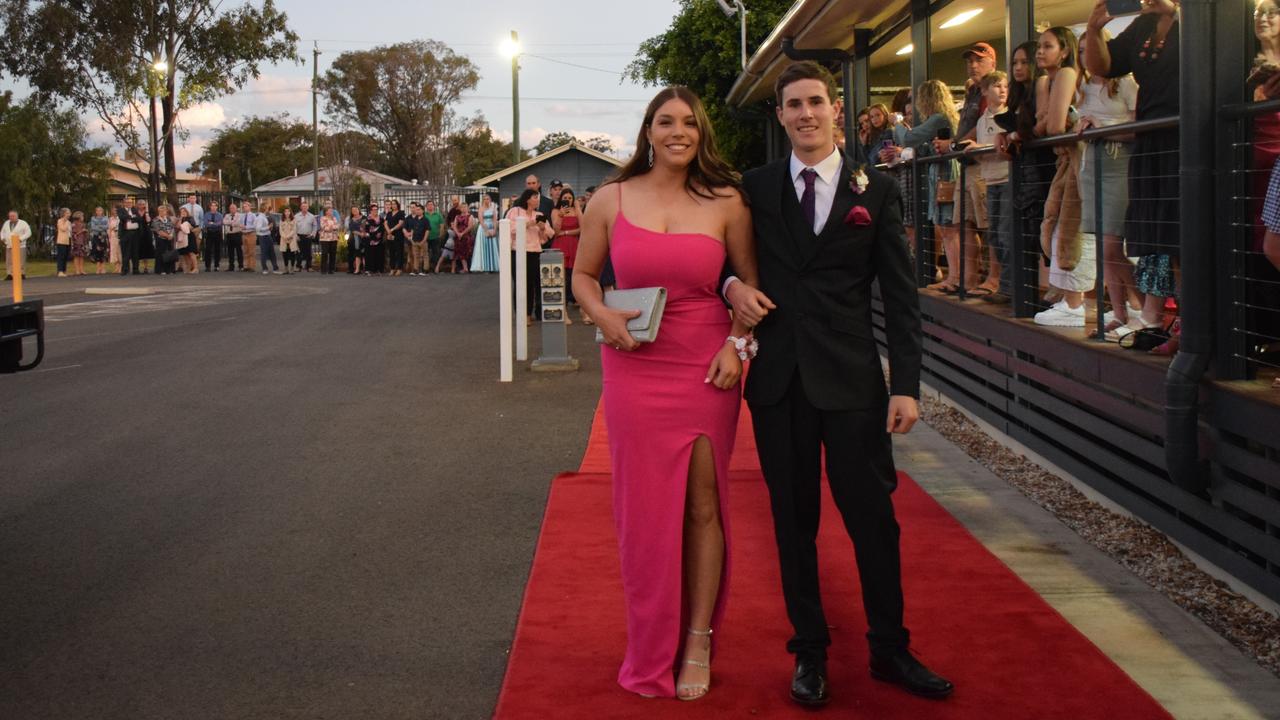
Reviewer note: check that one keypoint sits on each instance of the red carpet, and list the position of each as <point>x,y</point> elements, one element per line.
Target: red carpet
<point>1009,653</point>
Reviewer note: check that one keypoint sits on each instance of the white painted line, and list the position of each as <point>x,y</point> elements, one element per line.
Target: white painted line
<point>119,291</point>
<point>63,367</point>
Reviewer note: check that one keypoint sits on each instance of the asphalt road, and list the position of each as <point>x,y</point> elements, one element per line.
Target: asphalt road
<point>273,497</point>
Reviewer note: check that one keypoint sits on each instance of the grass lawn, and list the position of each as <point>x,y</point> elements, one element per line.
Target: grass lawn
<point>47,267</point>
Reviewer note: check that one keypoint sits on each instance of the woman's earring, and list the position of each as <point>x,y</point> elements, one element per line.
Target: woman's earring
<point>650,156</point>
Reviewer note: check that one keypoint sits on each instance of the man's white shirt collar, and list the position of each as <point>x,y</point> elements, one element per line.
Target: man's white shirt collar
<point>828,169</point>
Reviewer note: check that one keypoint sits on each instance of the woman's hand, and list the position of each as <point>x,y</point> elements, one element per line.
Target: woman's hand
<point>613,325</point>
<point>1099,17</point>
<point>725,368</point>
<point>890,154</point>
<point>1085,123</point>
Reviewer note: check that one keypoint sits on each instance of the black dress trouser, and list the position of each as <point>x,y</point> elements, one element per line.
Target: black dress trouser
<point>790,437</point>
<point>304,251</point>
<point>212,249</point>
<point>128,253</point>
<point>235,250</point>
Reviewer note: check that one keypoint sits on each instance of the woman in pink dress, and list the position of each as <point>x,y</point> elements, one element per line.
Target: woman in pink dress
<point>669,219</point>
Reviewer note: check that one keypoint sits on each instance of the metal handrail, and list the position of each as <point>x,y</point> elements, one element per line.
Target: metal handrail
<point>1248,109</point>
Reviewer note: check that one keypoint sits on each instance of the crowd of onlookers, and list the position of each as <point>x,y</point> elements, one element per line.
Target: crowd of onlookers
<point>380,239</point>
<point>1053,86</point>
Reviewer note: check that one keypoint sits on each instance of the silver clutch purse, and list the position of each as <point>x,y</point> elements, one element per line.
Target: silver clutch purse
<point>649,301</point>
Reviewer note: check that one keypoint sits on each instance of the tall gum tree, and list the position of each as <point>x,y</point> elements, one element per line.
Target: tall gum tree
<point>102,56</point>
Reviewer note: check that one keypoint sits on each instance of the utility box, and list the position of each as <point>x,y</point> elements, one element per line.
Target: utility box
<point>554,294</point>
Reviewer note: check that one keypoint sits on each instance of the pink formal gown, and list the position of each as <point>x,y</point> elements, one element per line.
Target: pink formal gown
<point>656,405</point>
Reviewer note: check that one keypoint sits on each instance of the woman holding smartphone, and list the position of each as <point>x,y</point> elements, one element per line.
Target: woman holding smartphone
<point>1148,48</point>
<point>566,220</point>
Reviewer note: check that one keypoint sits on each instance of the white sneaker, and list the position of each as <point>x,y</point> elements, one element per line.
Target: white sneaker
<point>1061,315</point>
<point>264,272</point>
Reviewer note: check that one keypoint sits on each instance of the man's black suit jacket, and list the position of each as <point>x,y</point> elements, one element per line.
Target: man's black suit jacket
<point>822,288</point>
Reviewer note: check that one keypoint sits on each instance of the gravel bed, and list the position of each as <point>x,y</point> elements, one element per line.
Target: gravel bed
<point>1142,549</point>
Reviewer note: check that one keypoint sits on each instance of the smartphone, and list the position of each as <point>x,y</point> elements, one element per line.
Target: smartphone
<point>1116,8</point>
<point>944,133</point>
<point>886,143</point>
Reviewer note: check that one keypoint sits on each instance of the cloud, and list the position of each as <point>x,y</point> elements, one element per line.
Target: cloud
<point>203,116</point>
<point>621,109</point>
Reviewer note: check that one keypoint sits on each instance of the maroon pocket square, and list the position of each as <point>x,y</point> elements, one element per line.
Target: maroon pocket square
<point>858,216</point>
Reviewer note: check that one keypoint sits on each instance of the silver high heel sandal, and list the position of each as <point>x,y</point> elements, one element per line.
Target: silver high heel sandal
<point>701,688</point>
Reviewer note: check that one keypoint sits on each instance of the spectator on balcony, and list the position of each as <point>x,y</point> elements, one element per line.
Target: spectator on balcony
<point>1263,85</point>
<point>933,100</point>
<point>979,61</point>
<point>902,112</point>
<point>1035,166</point>
<point>1071,262</point>
<point>1102,102</point>
<point>880,131</point>
<point>1148,48</point>
<point>994,170</point>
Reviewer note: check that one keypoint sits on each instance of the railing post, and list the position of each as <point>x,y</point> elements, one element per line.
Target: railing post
<point>917,219</point>
<point>1099,243</point>
<point>960,225</point>
<point>1022,294</point>
<point>522,297</point>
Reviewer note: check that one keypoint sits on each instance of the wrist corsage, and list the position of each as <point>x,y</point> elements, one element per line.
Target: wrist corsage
<point>746,347</point>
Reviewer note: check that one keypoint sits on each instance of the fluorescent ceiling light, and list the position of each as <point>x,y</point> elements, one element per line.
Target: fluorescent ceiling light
<point>906,50</point>
<point>960,19</point>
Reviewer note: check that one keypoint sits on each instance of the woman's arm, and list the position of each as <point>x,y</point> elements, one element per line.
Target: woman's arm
<point>1062,91</point>
<point>592,252</point>
<point>1097,54</point>
<point>557,219</point>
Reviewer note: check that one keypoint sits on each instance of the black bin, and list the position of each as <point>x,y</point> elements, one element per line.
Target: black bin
<point>18,321</point>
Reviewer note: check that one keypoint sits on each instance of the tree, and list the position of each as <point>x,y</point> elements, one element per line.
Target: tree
<point>403,95</point>
<point>256,150</point>
<point>44,161</point>
<point>103,56</point>
<point>340,156</point>
<point>702,51</point>
<point>478,152</point>
<point>553,140</point>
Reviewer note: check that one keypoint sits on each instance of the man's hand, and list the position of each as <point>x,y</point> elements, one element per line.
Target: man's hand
<point>1098,17</point>
<point>748,303</point>
<point>903,413</point>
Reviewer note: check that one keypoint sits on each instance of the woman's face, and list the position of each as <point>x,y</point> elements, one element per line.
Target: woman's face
<point>674,133</point>
<point>1020,66</point>
<point>864,122</point>
<point>1266,20</point>
<point>532,203</point>
<point>877,118</point>
<point>1049,52</point>
<point>567,198</point>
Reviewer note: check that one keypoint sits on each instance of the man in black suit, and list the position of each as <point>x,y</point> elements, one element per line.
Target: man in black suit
<point>132,224</point>
<point>825,229</point>
<point>545,204</point>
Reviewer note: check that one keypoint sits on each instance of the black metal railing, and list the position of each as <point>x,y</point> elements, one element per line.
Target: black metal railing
<point>1024,246</point>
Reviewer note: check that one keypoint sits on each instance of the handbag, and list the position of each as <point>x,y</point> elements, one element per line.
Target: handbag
<point>945,191</point>
<point>649,301</point>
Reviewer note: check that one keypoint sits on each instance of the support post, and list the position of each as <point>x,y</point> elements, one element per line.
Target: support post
<point>522,297</point>
<point>15,266</point>
<point>505,363</point>
<point>1099,239</point>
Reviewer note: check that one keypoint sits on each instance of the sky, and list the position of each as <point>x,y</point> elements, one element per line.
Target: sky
<point>569,81</point>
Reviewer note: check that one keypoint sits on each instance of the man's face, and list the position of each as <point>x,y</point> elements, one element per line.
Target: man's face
<point>128,203</point>
<point>807,115</point>
<point>555,192</point>
<point>191,199</point>
<point>431,207</point>
<point>305,205</point>
<point>978,66</point>
<point>533,183</point>
<point>13,216</point>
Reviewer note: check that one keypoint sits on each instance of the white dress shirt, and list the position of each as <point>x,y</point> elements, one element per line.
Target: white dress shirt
<point>824,186</point>
<point>20,228</point>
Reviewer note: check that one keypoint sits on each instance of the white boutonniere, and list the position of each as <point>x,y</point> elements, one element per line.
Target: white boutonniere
<point>858,184</point>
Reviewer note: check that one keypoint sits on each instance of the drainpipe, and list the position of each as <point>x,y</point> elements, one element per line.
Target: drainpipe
<point>1196,146</point>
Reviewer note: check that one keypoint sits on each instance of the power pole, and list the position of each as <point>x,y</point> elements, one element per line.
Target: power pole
<point>315,124</point>
<point>515,96</point>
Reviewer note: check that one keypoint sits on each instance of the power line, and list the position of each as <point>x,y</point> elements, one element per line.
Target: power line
<point>575,65</point>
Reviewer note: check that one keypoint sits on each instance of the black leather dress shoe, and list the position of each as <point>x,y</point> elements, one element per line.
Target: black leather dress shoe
<point>809,683</point>
<point>903,669</point>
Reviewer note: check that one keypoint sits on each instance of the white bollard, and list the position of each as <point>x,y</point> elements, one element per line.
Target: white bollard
<point>505,362</point>
<point>522,299</point>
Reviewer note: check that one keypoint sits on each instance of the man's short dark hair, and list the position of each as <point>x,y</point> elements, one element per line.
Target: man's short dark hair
<point>805,70</point>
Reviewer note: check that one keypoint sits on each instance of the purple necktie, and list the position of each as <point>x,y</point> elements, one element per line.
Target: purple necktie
<point>809,196</point>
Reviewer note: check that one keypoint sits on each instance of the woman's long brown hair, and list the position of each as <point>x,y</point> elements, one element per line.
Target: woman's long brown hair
<point>707,173</point>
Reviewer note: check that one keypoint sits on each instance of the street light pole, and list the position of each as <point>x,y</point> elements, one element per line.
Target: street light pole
<point>515,95</point>
<point>315,126</point>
